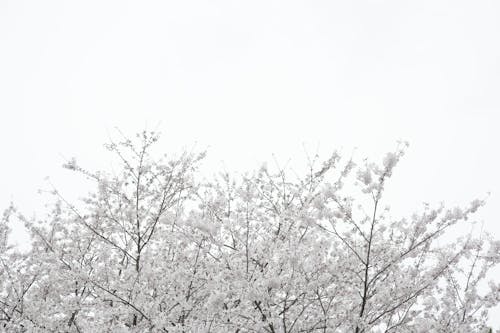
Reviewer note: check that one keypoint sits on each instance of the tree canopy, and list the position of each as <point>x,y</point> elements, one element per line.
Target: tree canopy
<point>157,249</point>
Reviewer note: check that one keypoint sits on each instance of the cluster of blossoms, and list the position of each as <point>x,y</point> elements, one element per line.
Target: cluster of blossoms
<point>156,250</point>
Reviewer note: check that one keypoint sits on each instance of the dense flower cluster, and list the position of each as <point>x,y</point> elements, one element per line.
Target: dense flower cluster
<point>156,250</point>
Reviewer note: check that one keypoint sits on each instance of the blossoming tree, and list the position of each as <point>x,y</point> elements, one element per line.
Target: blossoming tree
<point>154,249</point>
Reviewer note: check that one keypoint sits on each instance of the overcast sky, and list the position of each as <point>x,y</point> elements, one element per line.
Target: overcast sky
<point>250,78</point>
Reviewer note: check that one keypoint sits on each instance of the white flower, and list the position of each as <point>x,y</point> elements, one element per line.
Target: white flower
<point>216,299</point>
<point>273,283</point>
<point>208,228</point>
<point>365,177</point>
<point>390,161</point>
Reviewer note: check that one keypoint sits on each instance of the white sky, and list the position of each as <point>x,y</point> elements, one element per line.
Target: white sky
<point>253,78</point>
